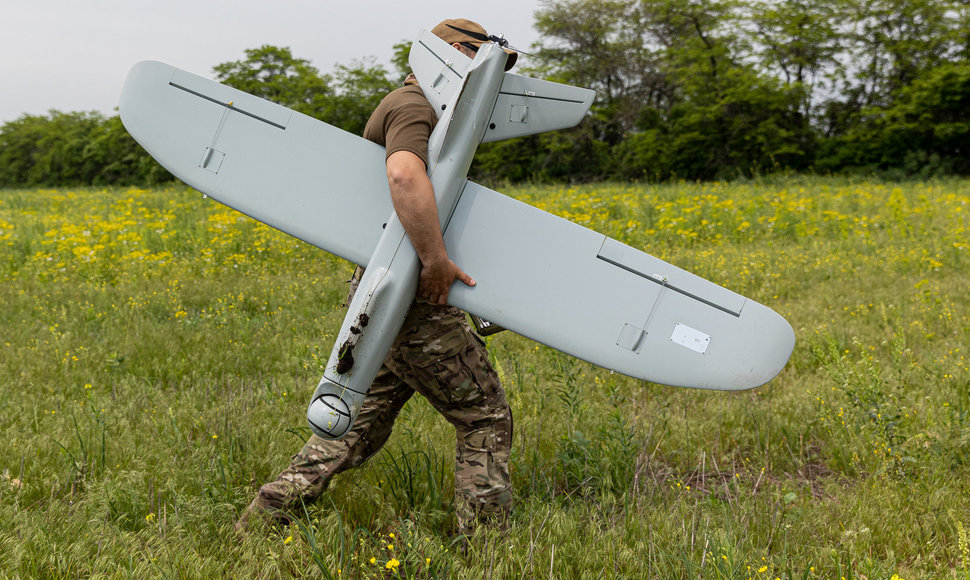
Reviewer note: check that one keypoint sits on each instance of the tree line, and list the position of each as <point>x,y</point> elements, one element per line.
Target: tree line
<point>88,148</point>
<point>705,89</point>
<point>686,89</point>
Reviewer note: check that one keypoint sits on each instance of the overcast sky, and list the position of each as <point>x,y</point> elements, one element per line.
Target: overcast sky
<point>72,55</point>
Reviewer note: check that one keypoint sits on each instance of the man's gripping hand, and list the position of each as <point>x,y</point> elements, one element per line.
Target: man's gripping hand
<point>436,280</point>
<point>414,202</point>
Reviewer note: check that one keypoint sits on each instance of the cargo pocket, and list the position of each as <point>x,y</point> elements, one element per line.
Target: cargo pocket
<point>443,369</point>
<point>481,440</point>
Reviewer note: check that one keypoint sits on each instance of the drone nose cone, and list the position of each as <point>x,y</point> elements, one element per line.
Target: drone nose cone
<point>329,416</point>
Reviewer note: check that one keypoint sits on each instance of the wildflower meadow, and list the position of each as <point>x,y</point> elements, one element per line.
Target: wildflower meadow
<point>158,351</point>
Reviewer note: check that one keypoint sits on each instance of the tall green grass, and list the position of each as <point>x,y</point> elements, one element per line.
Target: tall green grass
<point>158,351</point>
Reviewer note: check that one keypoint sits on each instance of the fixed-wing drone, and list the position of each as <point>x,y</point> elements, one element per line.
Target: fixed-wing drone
<point>537,274</point>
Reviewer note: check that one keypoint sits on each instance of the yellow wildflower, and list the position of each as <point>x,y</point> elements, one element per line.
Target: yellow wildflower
<point>392,564</point>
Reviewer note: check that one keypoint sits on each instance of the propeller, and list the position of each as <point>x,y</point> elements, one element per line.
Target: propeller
<point>499,40</point>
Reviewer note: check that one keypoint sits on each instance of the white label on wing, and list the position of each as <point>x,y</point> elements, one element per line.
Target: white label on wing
<point>691,338</point>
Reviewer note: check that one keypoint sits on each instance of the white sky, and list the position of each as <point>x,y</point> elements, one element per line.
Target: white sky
<point>73,55</point>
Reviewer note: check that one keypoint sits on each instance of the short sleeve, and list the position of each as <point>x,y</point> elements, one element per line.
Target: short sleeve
<point>407,128</point>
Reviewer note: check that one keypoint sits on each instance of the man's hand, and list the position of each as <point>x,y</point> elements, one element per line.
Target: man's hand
<point>414,202</point>
<point>436,279</point>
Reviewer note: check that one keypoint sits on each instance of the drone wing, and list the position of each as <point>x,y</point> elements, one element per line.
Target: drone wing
<point>290,171</point>
<point>595,298</point>
<point>539,275</point>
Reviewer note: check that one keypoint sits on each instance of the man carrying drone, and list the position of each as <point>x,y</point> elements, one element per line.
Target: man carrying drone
<point>435,353</point>
<point>652,321</point>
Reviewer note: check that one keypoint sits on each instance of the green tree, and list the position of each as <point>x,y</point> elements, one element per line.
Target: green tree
<point>600,44</point>
<point>402,68</point>
<point>962,19</point>
<point>897,39</point>
<point>119,158</point>
<point>797,40</point>
<point>925,132</point>
<point>273,73</point>
<point>596,44</point>
<point>886,45</point>
<point>61,149</point>
<point>19,145</point>
<point>48,150</point>
<point>723,117</point>
<point>745,127</point>
<point>359,88</point>
<point>344,99</point>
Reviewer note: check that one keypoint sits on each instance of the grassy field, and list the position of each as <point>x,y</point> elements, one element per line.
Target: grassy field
<point>158,352</point>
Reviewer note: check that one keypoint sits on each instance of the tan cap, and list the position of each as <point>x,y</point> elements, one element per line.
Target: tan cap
<point>470,33</point>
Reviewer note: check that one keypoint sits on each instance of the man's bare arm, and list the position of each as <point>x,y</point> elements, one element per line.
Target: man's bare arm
<point>413,199</point>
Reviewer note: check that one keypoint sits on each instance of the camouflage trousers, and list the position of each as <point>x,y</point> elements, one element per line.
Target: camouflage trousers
<point>437,355</point>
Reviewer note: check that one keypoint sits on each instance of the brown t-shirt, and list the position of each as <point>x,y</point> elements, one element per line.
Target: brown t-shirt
<point>403,121</point>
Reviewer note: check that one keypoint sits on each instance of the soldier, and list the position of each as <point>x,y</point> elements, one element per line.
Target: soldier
<point>435,354</point>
